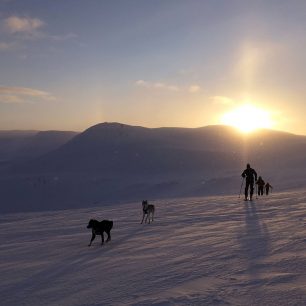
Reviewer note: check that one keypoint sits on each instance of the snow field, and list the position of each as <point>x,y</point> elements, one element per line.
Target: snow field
<point>198,251</point>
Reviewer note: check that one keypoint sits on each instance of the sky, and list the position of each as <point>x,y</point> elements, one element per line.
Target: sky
<point>70,64</point>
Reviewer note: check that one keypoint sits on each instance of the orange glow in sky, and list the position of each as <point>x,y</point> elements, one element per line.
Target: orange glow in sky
<point>248,118</point>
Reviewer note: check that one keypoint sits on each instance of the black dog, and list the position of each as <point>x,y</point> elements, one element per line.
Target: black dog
<point>98,228</point>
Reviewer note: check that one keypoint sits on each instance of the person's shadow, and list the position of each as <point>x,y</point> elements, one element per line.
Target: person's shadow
<point>254,240</point>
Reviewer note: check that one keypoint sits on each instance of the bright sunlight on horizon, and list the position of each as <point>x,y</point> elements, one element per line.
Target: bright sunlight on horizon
<point>248,118</point>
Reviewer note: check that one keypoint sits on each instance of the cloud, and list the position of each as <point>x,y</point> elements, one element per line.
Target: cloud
<point>63,37</point>
<point>222,100</point>
<point>4,46</point>
<point>156,85</point>
<point>142,83</point>
<point>23,25</point>
<point>10,99</point>
<point>32,27</point>
<point>194,88</point>
<point>164,86</point>
<point>23,95</point>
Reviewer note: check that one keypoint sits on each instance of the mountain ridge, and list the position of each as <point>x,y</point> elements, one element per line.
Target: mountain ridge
<point>116,147</point>
<point>114,162</point>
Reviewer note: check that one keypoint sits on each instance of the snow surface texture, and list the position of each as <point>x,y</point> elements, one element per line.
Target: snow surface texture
<point>198,251</point>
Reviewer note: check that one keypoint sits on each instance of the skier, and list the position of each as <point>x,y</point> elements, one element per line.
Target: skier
<point>268,186</point>
<point>250,176</point>
<point>261,184</point>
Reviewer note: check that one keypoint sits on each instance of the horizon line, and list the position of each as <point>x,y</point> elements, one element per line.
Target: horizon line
<point>158,127</point>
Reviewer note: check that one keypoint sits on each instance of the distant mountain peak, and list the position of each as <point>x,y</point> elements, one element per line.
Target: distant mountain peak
<point>112,125</point>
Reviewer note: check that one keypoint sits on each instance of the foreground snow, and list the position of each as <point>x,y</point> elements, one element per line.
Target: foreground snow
<point>200,251</point>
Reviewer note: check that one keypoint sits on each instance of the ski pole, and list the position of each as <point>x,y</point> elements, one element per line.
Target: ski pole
<point>241,186</point>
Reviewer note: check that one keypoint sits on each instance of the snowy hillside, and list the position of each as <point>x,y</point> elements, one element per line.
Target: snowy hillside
<point>24,145</point>
<point>199,251</point>
<point>116,148</point>
<point>112,162</point>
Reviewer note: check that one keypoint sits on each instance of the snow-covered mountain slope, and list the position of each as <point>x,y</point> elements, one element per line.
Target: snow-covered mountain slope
<point>198,251</point>
<point>116,148</point>
<point>25,145</point>
<point>112,162</point>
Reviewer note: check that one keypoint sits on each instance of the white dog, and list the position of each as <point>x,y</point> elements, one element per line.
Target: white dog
<point>147,209</point>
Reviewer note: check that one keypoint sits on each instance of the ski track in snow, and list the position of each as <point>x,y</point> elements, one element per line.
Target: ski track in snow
<point>198,251</point>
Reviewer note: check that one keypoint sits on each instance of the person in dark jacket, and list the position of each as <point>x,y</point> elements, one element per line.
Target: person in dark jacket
<point>250,176</point>
<point>268,186</point>
<point>261,184</point>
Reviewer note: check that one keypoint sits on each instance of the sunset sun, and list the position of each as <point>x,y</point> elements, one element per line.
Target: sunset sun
<point>248,118</point>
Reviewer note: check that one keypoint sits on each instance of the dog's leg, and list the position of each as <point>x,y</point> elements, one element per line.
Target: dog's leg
<point>143,215</point>
<point>92,239</point>
<point>147,218</point>
<point>102,238</point>
<point>108,236</point>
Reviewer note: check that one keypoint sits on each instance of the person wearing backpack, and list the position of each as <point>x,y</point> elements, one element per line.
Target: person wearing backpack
<point>268,186</point>
<point>261,184</point>
<point>250,176</point>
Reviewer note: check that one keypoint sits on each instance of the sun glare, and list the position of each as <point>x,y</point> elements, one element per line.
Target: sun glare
<point>247,118</point>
